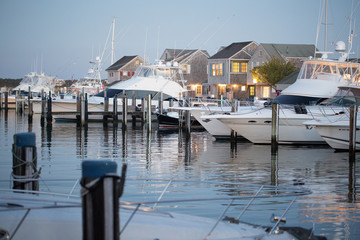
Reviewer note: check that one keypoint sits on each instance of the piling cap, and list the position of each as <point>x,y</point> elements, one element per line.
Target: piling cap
<point>97,168</point>
<point>26,139</point>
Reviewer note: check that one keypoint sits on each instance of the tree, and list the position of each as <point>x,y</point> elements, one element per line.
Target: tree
<point>273,71</point>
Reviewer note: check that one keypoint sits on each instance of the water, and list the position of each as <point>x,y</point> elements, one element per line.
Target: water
<point>332,210</point>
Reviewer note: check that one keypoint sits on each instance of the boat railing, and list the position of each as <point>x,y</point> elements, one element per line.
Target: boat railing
<point>238,199</point>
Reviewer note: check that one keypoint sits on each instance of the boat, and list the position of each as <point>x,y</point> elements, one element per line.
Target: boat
<point>158,80</point>
<point>335,129</point>
<point>49,215</point>
<point>319,79</point>
<point>90,84</point>
<point>37,83</point>
<point>172,120</point>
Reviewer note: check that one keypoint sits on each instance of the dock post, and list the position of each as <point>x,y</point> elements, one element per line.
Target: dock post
<point>43,107</point>
<point>124,112</point>
<point>187,118</point>
<point>133,101</point>
<point>115,107</point>
<point>86,108</point>
<point>275,126</point>
<point>30,107</point>
<point>106,106</point>
<point>148,112</point>
<point>1,101</point>
<point>6,101</point>
<point>100,193</point>
<point>25,162</point>
<point>171,103</point>
<point>82,109</point>
<point>49,109</point>
<point>233,133</point>
<point>161,103</point>
<point>143,109</point>
<point>352,131</point>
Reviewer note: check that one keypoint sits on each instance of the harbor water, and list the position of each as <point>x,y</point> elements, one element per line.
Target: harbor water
<point>331,210</point>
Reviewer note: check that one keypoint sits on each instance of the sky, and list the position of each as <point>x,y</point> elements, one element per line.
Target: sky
<point>60,37</point>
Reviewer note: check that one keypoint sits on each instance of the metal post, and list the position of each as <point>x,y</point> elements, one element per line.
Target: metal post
<point>124,112</point>
<point>148,113</point>
<point>275,125</point>
<point>100,194</point>
<point>25,162</point>
<point>352,131</point>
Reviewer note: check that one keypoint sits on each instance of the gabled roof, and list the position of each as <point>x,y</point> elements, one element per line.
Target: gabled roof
<point>289,50</point>
<point>178,54</point>
<point>230,50</point>
<point>120,63</point>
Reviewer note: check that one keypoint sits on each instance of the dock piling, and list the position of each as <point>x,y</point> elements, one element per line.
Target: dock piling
<point>49,109</point>
<point>275,126</point>
<point>30,106</point>
<point>148,112</point>
<point>124,112</point>
<point>352,131</point>
<point>100,193</point>
<point>25,162</point>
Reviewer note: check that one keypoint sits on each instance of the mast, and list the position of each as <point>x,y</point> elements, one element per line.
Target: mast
<point>325,44</point>
<point>112,42</point>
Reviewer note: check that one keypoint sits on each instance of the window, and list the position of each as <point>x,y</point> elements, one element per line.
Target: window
<point>251,91</point>
<point>198,90</point>
<point>243,67</point>
<point>121,74</point>
<point>137,62</point>
<point>217,69</point>
<point>236,67</point>
<point>266,92</point>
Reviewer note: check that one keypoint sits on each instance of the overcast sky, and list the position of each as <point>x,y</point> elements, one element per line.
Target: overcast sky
<point>60,37</point>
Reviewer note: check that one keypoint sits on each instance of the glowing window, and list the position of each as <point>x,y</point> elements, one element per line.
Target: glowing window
<point>236,67</point>
<point>243,67</point>
<point>217,69</point>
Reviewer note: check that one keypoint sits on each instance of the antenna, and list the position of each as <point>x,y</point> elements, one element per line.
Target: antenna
<point>112,42</point>
<point>157,51</point>
<point>145,44</point>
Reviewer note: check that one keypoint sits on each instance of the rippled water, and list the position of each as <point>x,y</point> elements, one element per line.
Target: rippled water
<point>332,209</point>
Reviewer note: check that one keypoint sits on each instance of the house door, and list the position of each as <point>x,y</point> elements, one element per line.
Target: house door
<point>251,92</point>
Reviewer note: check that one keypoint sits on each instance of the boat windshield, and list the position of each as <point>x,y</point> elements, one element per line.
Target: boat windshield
<point>325,69</point>
<point>149,71</point>
<point>344,97</point>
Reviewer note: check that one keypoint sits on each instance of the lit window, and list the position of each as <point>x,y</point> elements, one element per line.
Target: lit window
<point>266,92</point>
<point>243,67</point>
<point>198,90</point>
<point>217,69</point>
<point>251,90</point>
<point>243,88</point>
<point>236,67</point>
<point>137,62</point>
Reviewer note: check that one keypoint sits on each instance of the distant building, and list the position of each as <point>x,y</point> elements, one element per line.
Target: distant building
<point>193,64</point>
<point>228,70</point>
<point>124,68</point>
<point>294,53</point>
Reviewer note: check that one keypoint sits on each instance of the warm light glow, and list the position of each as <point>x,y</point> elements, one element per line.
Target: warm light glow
<point>243,88</point>
<point>234,86</point>
<point>254,80</point>
<point>222,85</point>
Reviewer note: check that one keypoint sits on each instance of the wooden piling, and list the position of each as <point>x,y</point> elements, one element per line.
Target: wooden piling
<point>233,133</point>
<point>148,112</point>
<point>143,109</point>
<point>25,162</point>
<point>6,101</point>
<point>30,107</point>
<point>124,112</point>
<point>275,125</point>
<point>43,107</point>
<point>115,112</point>
<point>106,105</point>
<point>82,109</point>
<point>187,119</point>
<point>352,131</point>
<point>49,109</point>
<point>161,104</point>
<point>100,193</point>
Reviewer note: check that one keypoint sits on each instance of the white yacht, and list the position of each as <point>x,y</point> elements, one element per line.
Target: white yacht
<point>37,83</point>
<point>335,129</point>
<point>318,80</point>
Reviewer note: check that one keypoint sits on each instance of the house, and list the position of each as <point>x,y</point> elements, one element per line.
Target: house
<point>193,64</point>
<point>294,53</point>
<point>124,68</point>
<point>228,70</point>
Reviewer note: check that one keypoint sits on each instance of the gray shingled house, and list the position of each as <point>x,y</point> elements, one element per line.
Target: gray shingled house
<point>294,53</point>
<point>193,64</point>
<point>123,69</point>
<point>228,70</point>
